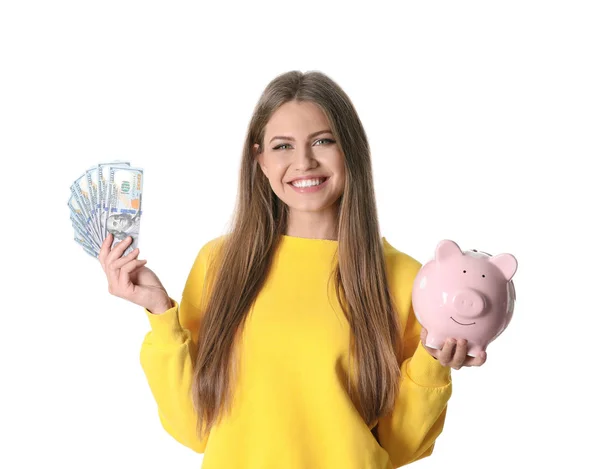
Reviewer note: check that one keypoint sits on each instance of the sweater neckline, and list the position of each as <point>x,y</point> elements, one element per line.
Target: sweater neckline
<point>308,243</point>
<point>308,246</point>
<point>299,240</point>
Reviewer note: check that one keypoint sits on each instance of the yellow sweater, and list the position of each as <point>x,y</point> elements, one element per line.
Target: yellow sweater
<point>291,409</point>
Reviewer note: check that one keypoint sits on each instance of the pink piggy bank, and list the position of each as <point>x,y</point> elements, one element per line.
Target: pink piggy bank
<point>464,295</point>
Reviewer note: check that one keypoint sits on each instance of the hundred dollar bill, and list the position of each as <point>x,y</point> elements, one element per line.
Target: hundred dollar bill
<point>78,213</point>
<point>84,244</point>
<point>125,186</point>
<point>81,221</point>
<point>91,176</point>
<point>77,226</point>
<point>102,200</point>
<point>86,248</point>
<point>82,194</point>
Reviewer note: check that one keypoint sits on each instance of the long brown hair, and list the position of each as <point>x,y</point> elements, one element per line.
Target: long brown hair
<point>245,255</point>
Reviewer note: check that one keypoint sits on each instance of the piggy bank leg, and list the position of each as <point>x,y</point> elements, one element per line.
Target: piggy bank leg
<point>434,342</point>
<point>474,350</point>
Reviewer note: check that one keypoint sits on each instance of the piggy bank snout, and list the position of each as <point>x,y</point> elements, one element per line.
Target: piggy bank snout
<point>469,302</point>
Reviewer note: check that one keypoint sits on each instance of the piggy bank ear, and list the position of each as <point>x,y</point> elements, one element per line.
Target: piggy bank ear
<point>506,263</point>
<point>446,249</point>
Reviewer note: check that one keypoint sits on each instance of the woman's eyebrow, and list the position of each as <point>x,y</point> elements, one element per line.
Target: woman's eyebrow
<point>283,137</point>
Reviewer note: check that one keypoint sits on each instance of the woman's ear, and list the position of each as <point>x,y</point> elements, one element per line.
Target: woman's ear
<point>257,153</point>
<point>258,156</point>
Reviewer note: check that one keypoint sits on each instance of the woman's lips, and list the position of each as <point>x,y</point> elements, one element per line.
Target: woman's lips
<point>311,189</point>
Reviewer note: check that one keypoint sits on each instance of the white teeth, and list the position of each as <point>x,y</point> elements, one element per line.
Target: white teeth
<point>308,182</point>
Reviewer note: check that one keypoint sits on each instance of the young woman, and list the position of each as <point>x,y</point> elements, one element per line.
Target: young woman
<point>295,344</point>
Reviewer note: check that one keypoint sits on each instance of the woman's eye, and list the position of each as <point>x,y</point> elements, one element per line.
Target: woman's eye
<point>320,140</point>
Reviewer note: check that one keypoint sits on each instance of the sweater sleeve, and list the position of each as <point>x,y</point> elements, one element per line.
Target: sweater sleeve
<point>167,357</point>
<point>408,433</point>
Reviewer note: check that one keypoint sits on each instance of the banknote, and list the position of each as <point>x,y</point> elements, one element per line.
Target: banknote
<point>106,198</point>
<point>103,173</point>
<point>124,206</point>
<point>82,195</point>
<point>78,212</point>
<point>80,229</point>
<point>91,177</point>
<point>91,251</point>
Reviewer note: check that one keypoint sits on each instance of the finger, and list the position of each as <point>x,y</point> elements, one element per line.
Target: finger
<point>112,273</point>
<point>125,273</point>
<point>125,259</point>
<point>445,356</point>
<point>460,353</point>
<point>476,361</point>
<point>423,335</point>
<point>136,268</point>
<point>117,251</point>
<point>104,249</point>
<point>131,266</point>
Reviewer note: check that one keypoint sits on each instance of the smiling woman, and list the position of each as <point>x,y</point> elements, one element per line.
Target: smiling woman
<point>295,336</point>
<point>309,156</point>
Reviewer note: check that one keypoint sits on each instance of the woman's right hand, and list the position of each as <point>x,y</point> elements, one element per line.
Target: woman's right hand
<point>129,279</point>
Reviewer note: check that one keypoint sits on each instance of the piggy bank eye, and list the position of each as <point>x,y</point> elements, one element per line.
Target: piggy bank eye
<point>483,275</point>
<point>464,271</point>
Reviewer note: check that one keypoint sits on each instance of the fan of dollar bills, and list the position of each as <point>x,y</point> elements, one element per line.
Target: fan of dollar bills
<point>107,198</point>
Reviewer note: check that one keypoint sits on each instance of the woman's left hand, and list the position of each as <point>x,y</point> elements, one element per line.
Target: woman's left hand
<point>453,353</point>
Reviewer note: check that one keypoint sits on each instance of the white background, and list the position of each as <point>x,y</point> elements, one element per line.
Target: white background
<point>483,120</point>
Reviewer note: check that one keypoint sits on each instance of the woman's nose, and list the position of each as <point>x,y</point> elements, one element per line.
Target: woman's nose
<point>304,157</point>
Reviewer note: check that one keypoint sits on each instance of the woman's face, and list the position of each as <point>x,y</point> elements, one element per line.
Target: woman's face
<point>294,146</point>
